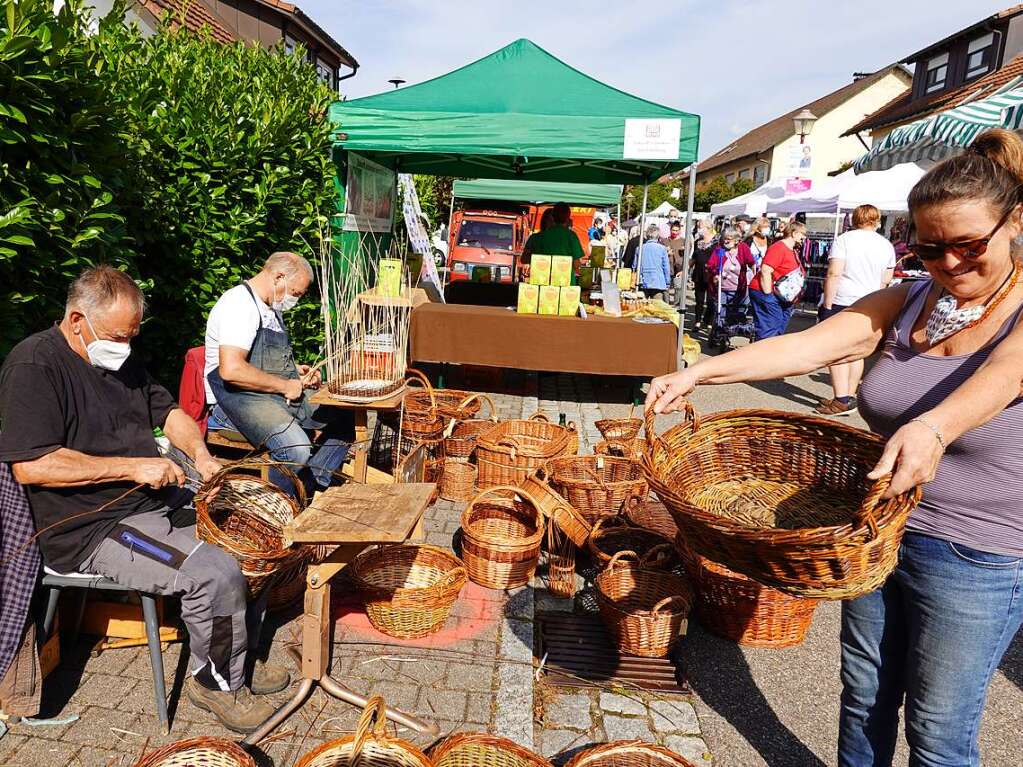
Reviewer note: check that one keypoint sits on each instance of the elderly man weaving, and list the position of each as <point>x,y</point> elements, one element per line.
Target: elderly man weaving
<point>255,386</point>
<point>78,414</point>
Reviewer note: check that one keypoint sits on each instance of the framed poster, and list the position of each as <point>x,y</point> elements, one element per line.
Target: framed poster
<point>369,196</point>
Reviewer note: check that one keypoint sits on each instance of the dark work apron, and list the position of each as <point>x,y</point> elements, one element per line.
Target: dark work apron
<point>261,415</point>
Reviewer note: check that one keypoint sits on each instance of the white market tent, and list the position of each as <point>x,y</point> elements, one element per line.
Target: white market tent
<point>664,209</point>
<point>884,189</point>
<point>752,203</point>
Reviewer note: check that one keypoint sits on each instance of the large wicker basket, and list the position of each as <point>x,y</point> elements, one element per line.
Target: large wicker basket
<point>476,749</point>
<point>198,752</point>
<point>628,753</point>
<point>507,453</point>
<point>461,435</point>
<point>781,498</point>
<point>447,403</point>
<point>245,516</point>
<point>644,610</point>
<point>369,746</point>
<point>408,589</point>
<point>501,533</point>
<point>596,485</point>
<point>611,535</point>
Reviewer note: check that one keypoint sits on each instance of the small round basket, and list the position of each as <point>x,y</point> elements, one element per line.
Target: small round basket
<point>370,746</point>
<point>596,485</point>
<point>644,610</point>
<point>611,535</point>
<point>628,753</point>
<point>472,749</point>
<point>650,514</point>
<point>620,429</point>
<point>408,590</point>
<point>797,513</point>
<point>457,480</point>
<point>198,752</point>
<point>501,533</point>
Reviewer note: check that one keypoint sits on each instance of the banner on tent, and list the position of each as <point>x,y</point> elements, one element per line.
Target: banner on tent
<point>654,139</point>
<point>797,185</point>
<point>413,214</point>
<point>369,196</point>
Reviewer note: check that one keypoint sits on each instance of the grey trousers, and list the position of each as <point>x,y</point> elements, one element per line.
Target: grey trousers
<point>146,553</point>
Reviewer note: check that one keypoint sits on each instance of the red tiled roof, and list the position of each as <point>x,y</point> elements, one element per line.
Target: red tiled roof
<point>313,28</point>
<point>195,14</point>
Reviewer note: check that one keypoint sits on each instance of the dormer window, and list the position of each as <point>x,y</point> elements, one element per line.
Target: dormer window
<point>980,55</point>
<point>937,73</point>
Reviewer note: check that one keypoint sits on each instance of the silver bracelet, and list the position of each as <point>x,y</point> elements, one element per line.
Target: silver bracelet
<point>935,429</point>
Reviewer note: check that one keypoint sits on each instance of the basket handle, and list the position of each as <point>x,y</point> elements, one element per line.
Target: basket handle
<point>658,555</point>
<point>525,494</point>
<point>667,601</point>
<point>539,415</point>
<point>616,560</point>
<point>866,516</point>
<point>413,375</point>
<point>690,416</point>
<point>451,577</point>
<point>373,721</point>
<point>483,398</point>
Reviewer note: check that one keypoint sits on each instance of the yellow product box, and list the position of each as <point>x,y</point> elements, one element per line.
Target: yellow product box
<point>540,270</point>
<point>625,279</point>
<point>389,277</point>
<point>529,297</point>
<point>561,271</point>
<point>568,302</point>
<point>549,297</point>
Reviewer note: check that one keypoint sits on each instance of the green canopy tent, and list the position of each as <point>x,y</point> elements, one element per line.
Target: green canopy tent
<point>597,195</point>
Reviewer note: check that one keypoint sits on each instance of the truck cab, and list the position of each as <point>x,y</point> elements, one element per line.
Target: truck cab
<point>489,239</point>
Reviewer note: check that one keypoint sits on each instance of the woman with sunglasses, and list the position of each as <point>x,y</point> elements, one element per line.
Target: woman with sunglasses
<point>946,394</point>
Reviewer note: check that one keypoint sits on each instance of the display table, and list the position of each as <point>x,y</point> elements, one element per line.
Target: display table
<point>360,411</point>
<point>499,337</point>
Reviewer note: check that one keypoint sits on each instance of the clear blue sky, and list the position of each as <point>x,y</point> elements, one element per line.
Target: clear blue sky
<point>737,63</point>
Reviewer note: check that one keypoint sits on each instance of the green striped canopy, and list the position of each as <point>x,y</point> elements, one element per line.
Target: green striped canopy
<point>946,133</point>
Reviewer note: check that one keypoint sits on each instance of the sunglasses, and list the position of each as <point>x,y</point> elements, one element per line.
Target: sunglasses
<point>966,249</point>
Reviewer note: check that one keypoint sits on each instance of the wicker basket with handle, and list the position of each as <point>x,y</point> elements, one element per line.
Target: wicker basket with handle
<point>447,403</point>
<point>632,449</point>
<point>507,453</point>
<point>795,512</point>
<point>620,429</point>
<point>408,589</point>
<point>369,746</point>
<point>476,749</point>
<point>198,752</point>
<point>597,485</point>
<point>457,480</point>
<point>420,415</point>
<point>644,610</point>
<point>501,533</point>
<point>555,508</point>
<point>628,753</point>
<point>461,435</point>
<point>612,534</point>
<point>651,514</point>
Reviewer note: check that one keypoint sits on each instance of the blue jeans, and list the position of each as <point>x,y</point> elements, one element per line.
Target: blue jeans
<point>933,634</point>
<point>770,315</point>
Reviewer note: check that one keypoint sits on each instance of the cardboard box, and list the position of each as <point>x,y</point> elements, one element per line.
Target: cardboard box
<point>550,295</point>
<point>389,277</point>
<point>529,298</point>
<point>540,270</point>
<point>625,279</point>
<point>561,271</point>
<point>568,302</point>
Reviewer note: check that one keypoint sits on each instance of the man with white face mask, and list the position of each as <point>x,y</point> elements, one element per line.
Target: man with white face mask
<point>78,413</point>
<point>253,384</point>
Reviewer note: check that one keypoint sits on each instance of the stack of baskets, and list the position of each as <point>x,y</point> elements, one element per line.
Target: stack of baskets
<point>612,534</point>
<point>422,422</point>
<point>501,533</point>
<point>511,450</point>
<point>597,486</point>
<point>458,479</point>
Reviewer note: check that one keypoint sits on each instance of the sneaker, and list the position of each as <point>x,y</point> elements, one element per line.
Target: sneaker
<point>837,407</point>
<point>268,678</point>
<point>237,710</point>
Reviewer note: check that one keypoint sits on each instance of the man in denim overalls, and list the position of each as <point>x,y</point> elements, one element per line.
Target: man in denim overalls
<point>255,386</point>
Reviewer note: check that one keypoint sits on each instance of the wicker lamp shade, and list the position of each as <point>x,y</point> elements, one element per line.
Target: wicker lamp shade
<point>597,486</point>
<point>472,749</point>
<point>781,498</point>
<point>198,752</point>
<point>628,753</point>
<point>501,533</point>
<point>408,590</point>
<point>369,746</point>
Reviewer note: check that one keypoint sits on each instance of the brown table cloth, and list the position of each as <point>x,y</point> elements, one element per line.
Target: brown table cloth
<point>499,337</point>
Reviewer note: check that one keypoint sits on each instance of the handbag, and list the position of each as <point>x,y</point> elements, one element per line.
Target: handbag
<point>789,287</point>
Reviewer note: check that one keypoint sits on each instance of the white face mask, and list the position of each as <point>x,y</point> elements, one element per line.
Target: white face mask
<point>287,301</point>
<point>948,319</point>
<point>108,355</point>
<point>766,231</point>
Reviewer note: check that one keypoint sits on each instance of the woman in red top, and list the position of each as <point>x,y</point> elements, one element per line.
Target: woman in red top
<point>770,313</point>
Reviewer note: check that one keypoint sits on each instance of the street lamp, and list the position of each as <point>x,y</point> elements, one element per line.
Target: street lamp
<point>803,123</point>
<point>396,81</point>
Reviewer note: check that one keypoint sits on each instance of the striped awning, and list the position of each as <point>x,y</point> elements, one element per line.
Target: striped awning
<point>946,133</point>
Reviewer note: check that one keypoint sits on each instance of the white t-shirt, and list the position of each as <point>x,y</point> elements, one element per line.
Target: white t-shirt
<point>867,257</point>
<point>234,321</point>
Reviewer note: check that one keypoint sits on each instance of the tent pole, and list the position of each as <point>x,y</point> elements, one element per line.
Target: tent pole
<point>642,227</point>
<point>687,255</point>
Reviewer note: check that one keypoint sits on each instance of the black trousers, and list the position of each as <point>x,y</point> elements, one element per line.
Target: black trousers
<point>704,310</point>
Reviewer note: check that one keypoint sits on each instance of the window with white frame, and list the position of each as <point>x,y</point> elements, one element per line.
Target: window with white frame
<point>937,73</point>
<point>980,55</point>
<point>325,72</point>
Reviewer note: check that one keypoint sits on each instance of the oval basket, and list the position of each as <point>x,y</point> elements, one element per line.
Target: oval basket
<point>446,403</point>
<point>651,514</point>
<point>596,485</point>
<point>501,533</point>
<point>198,752</point>
<point>620,429</point>
<point>797,512</point>
<point>611,535</point>
<point>474,749</point>
<point>507,453</point>
<point>628,753</point>
<point>643,609</point>
<point>408,589</point>
<point>370,745</point>
<point>632,449</point>
<point>460,441</point>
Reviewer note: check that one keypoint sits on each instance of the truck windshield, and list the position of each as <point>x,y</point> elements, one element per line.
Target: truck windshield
<point>486,234</point>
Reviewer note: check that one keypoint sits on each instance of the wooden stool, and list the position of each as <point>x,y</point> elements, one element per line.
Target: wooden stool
<point>228,439</point>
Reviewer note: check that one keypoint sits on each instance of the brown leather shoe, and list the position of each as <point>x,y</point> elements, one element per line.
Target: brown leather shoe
<point>836,407</point>
<point>237,710</point>
<point>268,678</point>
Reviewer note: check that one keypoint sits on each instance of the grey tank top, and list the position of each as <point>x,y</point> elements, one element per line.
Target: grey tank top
<point>976,498</point>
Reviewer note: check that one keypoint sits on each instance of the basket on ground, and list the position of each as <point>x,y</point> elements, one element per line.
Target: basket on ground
<point>408,589</point>
<point>651,514</point>
<point>511,450</point>
<point>560,563</point>
<point>611,535</point>
<point>476,749</point>
<point>198,752</point>
<point>628,753</point>
<point>461,435</point>
<point>446,403</point>
<point>781,498</point>
<point>457,480</point>
<point>555,508</point>
<point>597,485</point>
<point>643,609</point>
<point>369,746</point>
<point>501,533</point>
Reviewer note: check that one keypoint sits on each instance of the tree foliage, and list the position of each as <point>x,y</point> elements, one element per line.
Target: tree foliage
<point>719,190</point>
